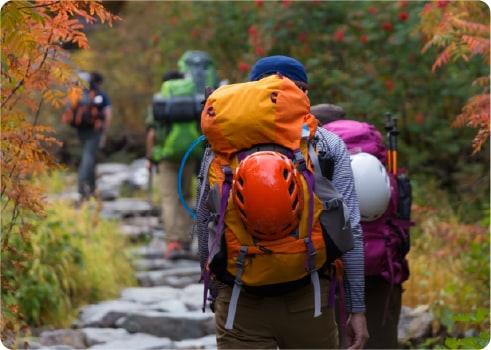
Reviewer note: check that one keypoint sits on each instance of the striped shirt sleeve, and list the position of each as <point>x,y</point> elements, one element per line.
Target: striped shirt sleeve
<point>343,181</point>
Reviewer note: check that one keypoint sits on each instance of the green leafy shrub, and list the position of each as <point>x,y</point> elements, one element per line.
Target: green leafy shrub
<point>77,258</point>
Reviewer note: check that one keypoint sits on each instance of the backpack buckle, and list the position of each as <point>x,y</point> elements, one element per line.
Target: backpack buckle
<point>228,174</point>
<point>300,160</point>
<point>332,204</point>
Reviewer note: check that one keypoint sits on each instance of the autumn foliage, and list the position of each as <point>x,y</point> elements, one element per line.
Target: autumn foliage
<point>451,27</point>
<point>35,71</point>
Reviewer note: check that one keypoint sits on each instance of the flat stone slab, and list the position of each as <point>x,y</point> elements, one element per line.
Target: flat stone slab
<point>94,336</point>
<point>175,325</point>
<point>178,277</point>
<point>127,207</point>
<point>139,341</point>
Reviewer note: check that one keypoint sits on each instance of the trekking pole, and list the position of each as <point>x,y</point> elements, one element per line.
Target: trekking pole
<point>149,196</point>
<point>394,132</point>
<point>388,145</point>
<point>150,184</point>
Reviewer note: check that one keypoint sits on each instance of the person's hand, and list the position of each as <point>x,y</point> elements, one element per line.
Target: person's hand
<point>357,332</point>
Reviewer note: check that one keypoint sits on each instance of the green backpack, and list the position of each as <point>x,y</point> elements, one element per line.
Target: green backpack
<point>176,114</point>
<point>201,67</point>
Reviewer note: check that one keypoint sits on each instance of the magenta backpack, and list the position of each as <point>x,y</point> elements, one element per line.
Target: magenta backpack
<point>359,137</point>
<point>386,240</point>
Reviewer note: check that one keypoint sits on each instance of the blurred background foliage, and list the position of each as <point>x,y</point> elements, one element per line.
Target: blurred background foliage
<point>365,56</point>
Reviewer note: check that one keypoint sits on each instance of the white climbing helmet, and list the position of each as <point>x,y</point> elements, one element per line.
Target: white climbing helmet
<point>372,185</point>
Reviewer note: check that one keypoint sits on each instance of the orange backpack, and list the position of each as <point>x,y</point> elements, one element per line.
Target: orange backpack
<point>267,116</point>
<point>85,109</point>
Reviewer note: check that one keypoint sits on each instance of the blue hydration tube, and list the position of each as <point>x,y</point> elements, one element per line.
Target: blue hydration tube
<point>179,175</point>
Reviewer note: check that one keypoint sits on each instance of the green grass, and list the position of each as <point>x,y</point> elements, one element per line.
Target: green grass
<point>73,258</point>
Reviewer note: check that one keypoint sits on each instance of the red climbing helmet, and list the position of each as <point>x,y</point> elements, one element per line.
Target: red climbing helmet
<point>268,195</point>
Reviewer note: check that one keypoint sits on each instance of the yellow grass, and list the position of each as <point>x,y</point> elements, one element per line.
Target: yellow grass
<point>449,263</point>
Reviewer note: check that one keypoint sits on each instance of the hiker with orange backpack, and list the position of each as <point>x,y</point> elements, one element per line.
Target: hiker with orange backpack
<point>90,112</point>
<point>385,231</point>
<point>271,261</point>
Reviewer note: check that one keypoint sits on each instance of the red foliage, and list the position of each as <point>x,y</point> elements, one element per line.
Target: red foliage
<point>389,84</point>
<point>442,3</point>
<point>402,3</point>
<point>427,8</point>
<point>253,30</point>
<point>388,27</point>
<point>339,35</point>
<point>364,38</point>
<point>403,16</point>
<point>243,66</point>
<point>419,118</point>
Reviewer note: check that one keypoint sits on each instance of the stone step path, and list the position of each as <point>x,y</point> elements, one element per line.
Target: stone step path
<point>163,312</point>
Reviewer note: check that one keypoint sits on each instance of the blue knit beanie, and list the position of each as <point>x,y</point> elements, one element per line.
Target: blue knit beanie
<point>285,65</point>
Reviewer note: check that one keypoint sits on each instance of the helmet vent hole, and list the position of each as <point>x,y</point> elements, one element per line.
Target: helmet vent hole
<point>295,203</point>
<point>291,188</point>
<point>240,197</point>
<point>243,213</point>
<point>285,174</point>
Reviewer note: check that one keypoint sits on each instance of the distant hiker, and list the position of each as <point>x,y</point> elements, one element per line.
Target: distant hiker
<point>172,126</point>
<point>167,140</point>
<point>272,248</point>
<point>89,111</point>
<point>385,232</point>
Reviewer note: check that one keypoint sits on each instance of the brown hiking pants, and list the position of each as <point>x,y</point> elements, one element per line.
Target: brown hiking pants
<point>285,322</point>
<point>177,221</point>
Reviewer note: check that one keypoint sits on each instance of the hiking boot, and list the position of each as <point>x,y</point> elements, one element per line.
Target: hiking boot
<point>174,250</point>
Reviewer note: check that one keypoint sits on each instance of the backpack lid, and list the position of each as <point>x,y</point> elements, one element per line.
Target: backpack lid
<point>327,113</point>
<point>194,58</point>
<point>271,110</point>
<point>359,137</point>
<point>200,66</point>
